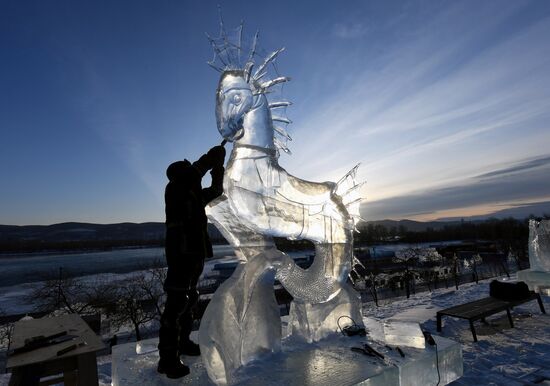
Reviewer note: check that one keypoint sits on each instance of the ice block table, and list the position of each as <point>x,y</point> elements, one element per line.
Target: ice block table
<point>73,361</point>
<point>330,362</point>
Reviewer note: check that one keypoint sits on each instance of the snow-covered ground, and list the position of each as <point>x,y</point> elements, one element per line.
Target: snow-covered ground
<point>502,356</point>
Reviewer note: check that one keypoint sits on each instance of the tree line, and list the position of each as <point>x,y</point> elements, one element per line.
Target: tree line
<point>511,230</point>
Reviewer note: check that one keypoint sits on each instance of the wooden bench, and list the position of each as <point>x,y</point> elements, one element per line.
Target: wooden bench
<point>482,308</point>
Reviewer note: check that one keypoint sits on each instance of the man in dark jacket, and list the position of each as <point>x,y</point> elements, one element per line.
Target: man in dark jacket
<point>187,245</point>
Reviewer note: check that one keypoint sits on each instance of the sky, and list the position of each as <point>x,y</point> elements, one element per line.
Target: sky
<point>446,104</point>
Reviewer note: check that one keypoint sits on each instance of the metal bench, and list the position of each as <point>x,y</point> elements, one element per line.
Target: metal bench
<point>480,309</point>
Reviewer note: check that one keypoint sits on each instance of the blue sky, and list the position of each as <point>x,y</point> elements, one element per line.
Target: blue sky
<point>446,104</point>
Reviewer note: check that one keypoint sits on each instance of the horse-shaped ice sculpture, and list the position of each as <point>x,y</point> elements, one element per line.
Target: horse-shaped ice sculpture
<point>262,200</point>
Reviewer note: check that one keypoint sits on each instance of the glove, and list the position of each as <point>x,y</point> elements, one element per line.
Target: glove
<point>216,155</point>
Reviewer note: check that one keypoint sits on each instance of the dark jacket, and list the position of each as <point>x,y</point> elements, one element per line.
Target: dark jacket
<point>187,241</point>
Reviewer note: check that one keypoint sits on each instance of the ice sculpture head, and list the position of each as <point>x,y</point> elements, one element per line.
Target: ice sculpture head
<point>234,99</point>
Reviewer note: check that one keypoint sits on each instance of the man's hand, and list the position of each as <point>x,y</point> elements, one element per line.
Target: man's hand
<point>216,155</point>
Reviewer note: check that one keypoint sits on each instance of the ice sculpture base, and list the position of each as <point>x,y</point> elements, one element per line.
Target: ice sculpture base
<point>330,362</point>
<point>537,281</point>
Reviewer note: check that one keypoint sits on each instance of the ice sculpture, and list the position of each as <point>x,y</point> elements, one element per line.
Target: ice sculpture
<point>262,200</point>
<point>537,276</point>
<point>539,245</point>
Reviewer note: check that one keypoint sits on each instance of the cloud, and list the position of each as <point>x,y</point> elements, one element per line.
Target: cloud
<point>530,164</point>
<point>500,192</point>
<point>435,110</point>
<point>349,30</point>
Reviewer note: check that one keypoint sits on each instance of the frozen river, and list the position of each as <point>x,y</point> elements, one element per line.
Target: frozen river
<point>31,268</point>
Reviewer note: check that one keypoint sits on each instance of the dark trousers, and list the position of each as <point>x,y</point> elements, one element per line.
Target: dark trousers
<point>184,270</point>
<point>176,321</point>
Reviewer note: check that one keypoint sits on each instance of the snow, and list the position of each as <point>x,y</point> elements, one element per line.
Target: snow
<point>402,333</point>
<point>502,356</point>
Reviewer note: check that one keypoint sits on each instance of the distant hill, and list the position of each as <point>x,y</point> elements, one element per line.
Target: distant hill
<point>411,225</point>
<point>76,235</point>
<point>75,231</point>
<point>149,231</point>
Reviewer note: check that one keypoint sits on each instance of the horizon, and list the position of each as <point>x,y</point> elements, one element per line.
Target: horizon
<point>445,105</point>
<point>442,220</point>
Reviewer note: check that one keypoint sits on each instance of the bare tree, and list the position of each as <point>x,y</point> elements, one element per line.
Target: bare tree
<point>430,261</point>
<point>66,293</point>
<point>428,278</point>
<point>371,280</point>
<point>6,329</point>
<point>408,259</point>
<point>513,261</point>
<point>455,263</point>
<point>472,265</point>
<point>367,276</point>
<point>502,263</point>
<point>152,285</point>
<point>136,303</point>
<point>133,301</point>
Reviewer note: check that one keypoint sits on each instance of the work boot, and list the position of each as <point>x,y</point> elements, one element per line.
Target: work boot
<point>172,367</point>
<point>189,348</point>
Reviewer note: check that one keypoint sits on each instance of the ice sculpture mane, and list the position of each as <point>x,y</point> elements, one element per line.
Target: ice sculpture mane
<point>262,200</point>
<point>246,85</point>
